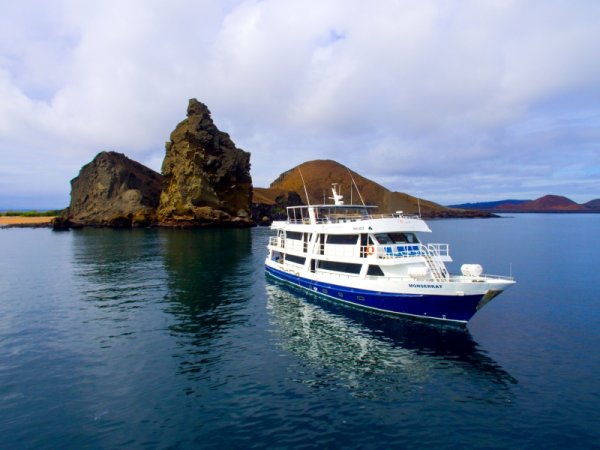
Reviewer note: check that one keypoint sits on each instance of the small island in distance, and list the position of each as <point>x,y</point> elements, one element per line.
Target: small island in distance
<point>545,204</point>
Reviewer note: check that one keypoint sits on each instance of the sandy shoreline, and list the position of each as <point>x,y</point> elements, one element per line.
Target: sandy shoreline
<point>20,220</point>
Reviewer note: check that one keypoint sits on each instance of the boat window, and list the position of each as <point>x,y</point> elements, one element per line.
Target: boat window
<point>396,238</point>
<point>403,238</point>
<point>375,271</point>
<point>340,267</point>
<point>344,239</point>
<point>295,259</point>
<point>383,238</point>
<point>294,235</point>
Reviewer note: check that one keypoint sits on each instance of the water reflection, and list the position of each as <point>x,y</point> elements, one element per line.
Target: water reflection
<point>207,279</point>
<point>374,354</point>
<point>117,268</point>
<point>132,278</point>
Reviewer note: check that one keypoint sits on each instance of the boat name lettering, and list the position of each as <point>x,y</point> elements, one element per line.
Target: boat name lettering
<point>433,286</point>
<point>358,228</point>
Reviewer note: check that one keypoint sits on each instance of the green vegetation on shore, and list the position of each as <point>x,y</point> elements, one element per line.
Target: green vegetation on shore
<point>32,213</point>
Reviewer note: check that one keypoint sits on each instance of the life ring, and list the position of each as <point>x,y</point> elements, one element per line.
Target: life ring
<point>370,250</point>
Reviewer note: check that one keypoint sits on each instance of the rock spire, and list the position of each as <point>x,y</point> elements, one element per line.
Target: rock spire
<point>207,178</point>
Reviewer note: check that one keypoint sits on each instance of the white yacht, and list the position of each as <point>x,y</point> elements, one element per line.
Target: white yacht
<point>375,261</point>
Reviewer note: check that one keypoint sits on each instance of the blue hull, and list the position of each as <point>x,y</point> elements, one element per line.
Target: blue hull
<point>436,307</point>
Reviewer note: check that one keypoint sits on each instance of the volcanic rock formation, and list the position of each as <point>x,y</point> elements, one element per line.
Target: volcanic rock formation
<point>113,190</point>
<point>207,178</point>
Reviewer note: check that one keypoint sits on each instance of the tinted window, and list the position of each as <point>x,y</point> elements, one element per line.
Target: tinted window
<point>375,271</point>
<point>403,238</point>
<point>396,238</point>
<point>340,266</point>
<point>346,239</point>
<point>383,238</point>
<point>295,259</point>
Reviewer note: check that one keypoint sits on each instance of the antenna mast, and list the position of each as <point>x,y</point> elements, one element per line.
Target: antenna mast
<point>357,190</point>
<point>304,184</point>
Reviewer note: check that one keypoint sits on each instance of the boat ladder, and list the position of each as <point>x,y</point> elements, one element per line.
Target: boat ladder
<point>438,269</point>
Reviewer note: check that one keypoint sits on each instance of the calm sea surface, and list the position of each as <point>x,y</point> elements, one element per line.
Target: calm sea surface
<point>175,339</point>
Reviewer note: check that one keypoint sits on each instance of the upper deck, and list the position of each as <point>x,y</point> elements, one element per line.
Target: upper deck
<point>340,218</point>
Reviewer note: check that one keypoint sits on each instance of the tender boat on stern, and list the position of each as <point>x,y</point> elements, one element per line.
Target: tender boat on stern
<point>377,262</point>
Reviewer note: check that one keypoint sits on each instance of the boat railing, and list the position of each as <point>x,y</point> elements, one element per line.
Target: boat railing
<point>439,249</point>
<point>386,251</point>
<point>483,276</point>
<point>344,218</point>
<point>392,251</point>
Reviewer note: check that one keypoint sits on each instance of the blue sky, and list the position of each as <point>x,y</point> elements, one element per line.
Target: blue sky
<point>450,101</point>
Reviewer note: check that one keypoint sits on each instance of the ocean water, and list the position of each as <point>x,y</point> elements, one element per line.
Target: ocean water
<point>174,339</point>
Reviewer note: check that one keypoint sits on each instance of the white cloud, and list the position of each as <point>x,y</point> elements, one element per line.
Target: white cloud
<point>457,100</point>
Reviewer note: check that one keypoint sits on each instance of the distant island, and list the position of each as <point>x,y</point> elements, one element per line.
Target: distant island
<point>545,204</point>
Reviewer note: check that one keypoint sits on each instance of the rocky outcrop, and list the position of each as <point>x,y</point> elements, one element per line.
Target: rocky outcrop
<point>319,175</point>
<point>114,191</point>
<point>207,178</point>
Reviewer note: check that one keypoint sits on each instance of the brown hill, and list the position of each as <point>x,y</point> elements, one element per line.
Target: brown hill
<point>320,174</point>
<point>547,203</point>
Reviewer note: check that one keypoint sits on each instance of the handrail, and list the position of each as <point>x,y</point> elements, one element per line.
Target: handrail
<point>437,267</point>
<point>341,218</point>
<point>385,251</point>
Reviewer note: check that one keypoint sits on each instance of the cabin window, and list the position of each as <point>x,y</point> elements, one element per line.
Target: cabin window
<point>294,235</point>
<point>375,271</point>
<point>383,238</point>
<point>340,267</point>
<point>396,238</point>
<point>295,259</point>
<point>342,239</point>
<point>403,238</point>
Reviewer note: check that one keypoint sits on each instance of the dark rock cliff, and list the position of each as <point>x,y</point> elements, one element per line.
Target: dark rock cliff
<point>207,178</point>
<point>113,190</point>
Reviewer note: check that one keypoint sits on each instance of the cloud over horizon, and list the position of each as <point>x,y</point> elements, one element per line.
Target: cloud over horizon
<point>452,102</point>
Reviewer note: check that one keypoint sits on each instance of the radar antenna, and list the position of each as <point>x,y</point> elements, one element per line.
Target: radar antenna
<point>337,198</point>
